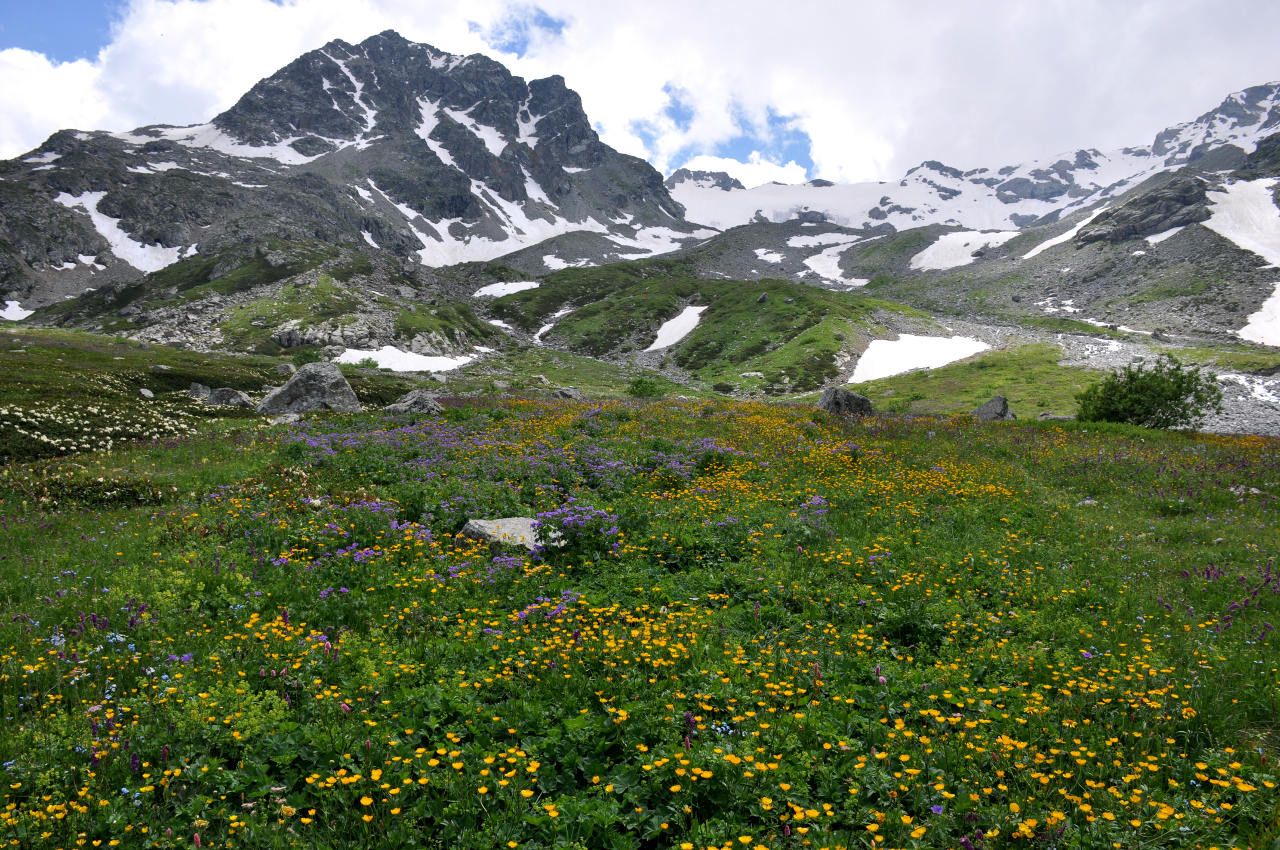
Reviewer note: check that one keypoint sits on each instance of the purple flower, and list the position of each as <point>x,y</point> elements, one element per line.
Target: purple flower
<point>937,810</point>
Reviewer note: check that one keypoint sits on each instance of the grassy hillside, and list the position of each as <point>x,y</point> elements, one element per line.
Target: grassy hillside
<point>766,628</point>
<point>785,335</point>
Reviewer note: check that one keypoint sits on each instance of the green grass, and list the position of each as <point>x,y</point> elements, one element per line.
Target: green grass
<point>1028,376</point>
<point>764,622</point>
<point>791,338</point>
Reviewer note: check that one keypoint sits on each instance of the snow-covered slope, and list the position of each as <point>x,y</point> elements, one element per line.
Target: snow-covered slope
<point>984,198</point>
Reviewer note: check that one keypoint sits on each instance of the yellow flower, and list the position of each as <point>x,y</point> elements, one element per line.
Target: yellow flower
<point>917,832</point>
<point>483,789</point>
<point>675,788</point>
<point>526,793</point>
<point>366,801</point>
<point>375,774</point>
<point>366,818</point>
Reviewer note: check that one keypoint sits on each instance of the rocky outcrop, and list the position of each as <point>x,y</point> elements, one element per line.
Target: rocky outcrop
<point>844,402</point>
<point>316,386</point>
<point>1179,202</point>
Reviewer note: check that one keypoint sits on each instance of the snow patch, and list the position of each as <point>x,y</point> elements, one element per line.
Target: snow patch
<point>820,239</point>
<point>769,256</point>
<point>13,312</point>
<point>1245,213</point>
<point>368,237</point>
<point>556,316</point>
<point>674,330</point>
<point>1065,237</point>
<point>498,323</point>
<point>827,265</point>
<point>497,290</point>
<point>390,357</point>
<point>43,158</point>
<point>956,249</point>
<point>1157,238</point>
<point>909,352</point>
<point>1262,389</point>
<point>491,138</point>
<point>147,258</point>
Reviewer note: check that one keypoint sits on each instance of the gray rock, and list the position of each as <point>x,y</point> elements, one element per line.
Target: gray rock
<point>414,401</point>
<point>227,397</point>
<point>439,378</point>
<point>199,392</point>
<point>508,531</point>
<point>285,419</point>
<point>995,410</point>
<point>146,393</point>
<point>286,369</point>
<point>332,352</point>
<point>1087,503</point>
<point>316,386</point>
<point>1055,417</point>
<point>569,393</point>
<point>844,402</point>
<point>160,367</point>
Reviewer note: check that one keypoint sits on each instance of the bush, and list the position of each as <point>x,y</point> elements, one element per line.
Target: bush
<point>1165,394</point>
<point>644,388</point>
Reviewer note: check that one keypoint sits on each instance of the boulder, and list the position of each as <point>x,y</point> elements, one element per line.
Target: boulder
<point>414,401</point>
<point>508,531</point>
<point>844,402</point>
<point>568,392</point>
<point>160,368</point>
<point>995,410</point>
<point>199,392</point>
<point>286,369</point>
<point>227,397</point>
<point>316,386</point>
<point>1054,417</point>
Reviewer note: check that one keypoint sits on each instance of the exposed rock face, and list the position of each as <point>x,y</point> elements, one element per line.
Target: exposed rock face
<point>995,410</point>
<point>707,179</point>
<point>199,392</point>
<point>316,386</point>
<point>570,393</point>
<point>843,402</point>
<point>1179,202</point>
<point>414,401</point>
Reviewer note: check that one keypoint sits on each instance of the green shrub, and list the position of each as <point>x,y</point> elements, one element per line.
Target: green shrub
<point>1164,394</point>
<point>643,387</point>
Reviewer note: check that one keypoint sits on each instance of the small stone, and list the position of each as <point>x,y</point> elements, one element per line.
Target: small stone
<point>146,393</point>
<point>414,401</point>
<point>160,367</point>
<point>1086,503</point>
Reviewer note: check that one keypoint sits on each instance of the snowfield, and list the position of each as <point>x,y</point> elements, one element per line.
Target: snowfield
<point>1246,214</point>
<point>886,357</point>
<point>956,249</point>
<point>674,330</point>
<point>390,357</point>
<point>497,290</point>
<point>13,312</point>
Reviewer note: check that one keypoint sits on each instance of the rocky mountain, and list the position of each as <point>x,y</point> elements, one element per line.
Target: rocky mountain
<point>435,158</point>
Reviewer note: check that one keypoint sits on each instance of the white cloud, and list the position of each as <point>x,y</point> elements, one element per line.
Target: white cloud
<point>877,88</point>
<point>756,171</point>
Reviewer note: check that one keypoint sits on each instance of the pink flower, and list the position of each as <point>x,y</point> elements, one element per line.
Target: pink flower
<point>345,708</point>
<point>196,839</point>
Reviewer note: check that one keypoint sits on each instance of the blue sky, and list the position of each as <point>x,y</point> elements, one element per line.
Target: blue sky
<point>63,30</point>
<point>841,89</point>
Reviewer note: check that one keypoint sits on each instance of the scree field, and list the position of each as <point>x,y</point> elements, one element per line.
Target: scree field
<point>762,627</point>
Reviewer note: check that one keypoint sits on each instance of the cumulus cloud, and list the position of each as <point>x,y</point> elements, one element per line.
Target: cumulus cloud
<point>845,91</point>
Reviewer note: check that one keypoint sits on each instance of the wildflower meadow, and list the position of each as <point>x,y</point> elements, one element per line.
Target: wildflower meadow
<point>740,626</point>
